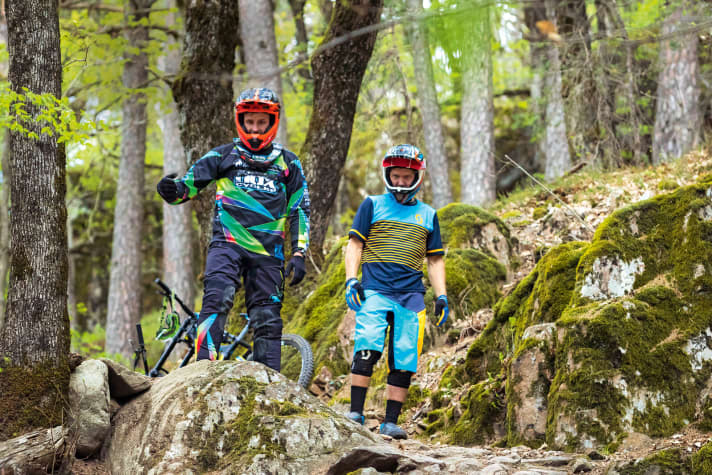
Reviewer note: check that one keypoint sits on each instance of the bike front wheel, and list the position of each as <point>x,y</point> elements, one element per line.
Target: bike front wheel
<point>297,359</point>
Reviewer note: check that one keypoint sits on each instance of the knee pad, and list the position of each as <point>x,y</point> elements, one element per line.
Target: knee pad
<point>364,361</point>
<point>266,322</point>
<point>220,295</point>
<point>399,378</point>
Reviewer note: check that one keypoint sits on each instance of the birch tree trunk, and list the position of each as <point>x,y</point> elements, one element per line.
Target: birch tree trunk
<point>124,307</point>
<point>260,52</point>
<point>203,91</point>
<point>677,112</point>
<point>338,72</point>
<point>178,269</point>
<point>429,111</point>
<point>478,179</point>
<point>34,341</point>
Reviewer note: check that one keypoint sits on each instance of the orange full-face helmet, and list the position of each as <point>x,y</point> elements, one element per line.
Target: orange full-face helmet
<point>257,100</point>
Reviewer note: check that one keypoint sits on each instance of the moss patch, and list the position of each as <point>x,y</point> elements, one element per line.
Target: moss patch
<point>665,462</point>
<point>460,224</point>
<point>32,397</point>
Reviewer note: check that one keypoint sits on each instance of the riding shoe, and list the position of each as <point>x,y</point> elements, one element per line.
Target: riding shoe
<point>392,430</point>
<point>356,417</point>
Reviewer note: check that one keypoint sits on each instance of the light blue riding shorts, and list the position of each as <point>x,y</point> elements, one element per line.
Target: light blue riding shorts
<point>408,327</point>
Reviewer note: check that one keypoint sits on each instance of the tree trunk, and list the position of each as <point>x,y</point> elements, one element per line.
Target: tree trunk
<point>533,13</point>
<point>677,113</point>
<point>124,307</point>
<point>4,193</point>
<point>71,276</point>
<point>297,7</point>
<point>429,111</point>
<point>260,52</point>
<point>558,158</point>
<point>34,342</point>
<point>203,91</point>
<point>4,223</point>
<point>338,72</point>
<point>630,135</point>
<point>578,71</point>
<point>478,180</point>
<point>178,269</point>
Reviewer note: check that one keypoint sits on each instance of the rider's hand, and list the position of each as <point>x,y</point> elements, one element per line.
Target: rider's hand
<point>442,310</point>
<point>167,188</point>
<point>296,264</point>
<point>354,294</point>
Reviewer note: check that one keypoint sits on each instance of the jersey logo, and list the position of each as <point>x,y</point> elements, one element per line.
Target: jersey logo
<point>256,182</point>
<point>418,219</point>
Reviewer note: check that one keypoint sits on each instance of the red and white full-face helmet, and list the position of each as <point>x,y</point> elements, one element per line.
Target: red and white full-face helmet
<point>257,100</point>
<point>404,156</point>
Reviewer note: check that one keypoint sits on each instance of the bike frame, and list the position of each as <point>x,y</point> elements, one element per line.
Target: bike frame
<point>184,335</point>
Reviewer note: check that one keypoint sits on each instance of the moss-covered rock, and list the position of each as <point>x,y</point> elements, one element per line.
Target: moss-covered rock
<point>633,316</point>
<point>467,226</point>
<point>474,280</point>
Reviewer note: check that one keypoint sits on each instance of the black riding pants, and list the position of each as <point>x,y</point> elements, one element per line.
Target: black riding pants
<point>227,265</point>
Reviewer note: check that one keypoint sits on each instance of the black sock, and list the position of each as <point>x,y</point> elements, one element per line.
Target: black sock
<point>393,409</point>
<point>358,398</point>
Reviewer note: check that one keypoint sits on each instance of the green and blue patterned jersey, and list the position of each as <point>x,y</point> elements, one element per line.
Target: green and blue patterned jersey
<point>253,206</point>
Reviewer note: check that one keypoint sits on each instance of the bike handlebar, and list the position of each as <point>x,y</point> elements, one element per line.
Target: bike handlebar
<point>167,292</point>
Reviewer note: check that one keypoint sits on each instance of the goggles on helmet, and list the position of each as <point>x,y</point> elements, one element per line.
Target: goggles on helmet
<point>404,156</point>
<point>257,100</point>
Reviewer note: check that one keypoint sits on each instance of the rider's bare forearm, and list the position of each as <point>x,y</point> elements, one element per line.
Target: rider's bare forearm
<point>436,274</point>
<point>353,257</point>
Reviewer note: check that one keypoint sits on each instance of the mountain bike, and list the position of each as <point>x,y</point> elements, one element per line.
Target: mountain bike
<point>297,356</point>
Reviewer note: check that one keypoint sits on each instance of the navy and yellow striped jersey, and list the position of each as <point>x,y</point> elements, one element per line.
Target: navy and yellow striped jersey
<point>396,238</point>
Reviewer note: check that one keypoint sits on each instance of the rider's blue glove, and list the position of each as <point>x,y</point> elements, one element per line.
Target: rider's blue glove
<point>354,294</point>
<point>442,310</point>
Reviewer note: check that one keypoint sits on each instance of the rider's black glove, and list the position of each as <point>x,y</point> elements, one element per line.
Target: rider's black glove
<point>296,264</point>
<point>167,188</point>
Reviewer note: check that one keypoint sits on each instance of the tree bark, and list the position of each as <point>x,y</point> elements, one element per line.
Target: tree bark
<point>203,91</point>
<point>34,341</point>
<point>297,7</point>
<point>677,113</point>
<point>4,223</point>
<point>429,111</point>
<point>260,52</point>
<point>338,72</point>
<point>478,180</point>
<point>178,269</point>
<point>124,307</point>
<point>558,158</point>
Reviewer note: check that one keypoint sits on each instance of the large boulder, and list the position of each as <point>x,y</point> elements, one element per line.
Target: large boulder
<point>631,346</point>
<point>229,417</point>
<point>89,417</point>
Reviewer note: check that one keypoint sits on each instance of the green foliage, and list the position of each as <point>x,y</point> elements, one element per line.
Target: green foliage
<point>25,112</point>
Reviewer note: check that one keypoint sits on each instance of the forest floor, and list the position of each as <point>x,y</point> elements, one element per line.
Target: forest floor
<point>570,210</point>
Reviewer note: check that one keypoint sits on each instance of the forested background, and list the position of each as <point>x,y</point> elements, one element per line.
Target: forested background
<point>496,94</point>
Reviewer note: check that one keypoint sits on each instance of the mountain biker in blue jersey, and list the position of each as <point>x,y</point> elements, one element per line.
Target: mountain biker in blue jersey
<point>260,190</point>
<point>391,235</point>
